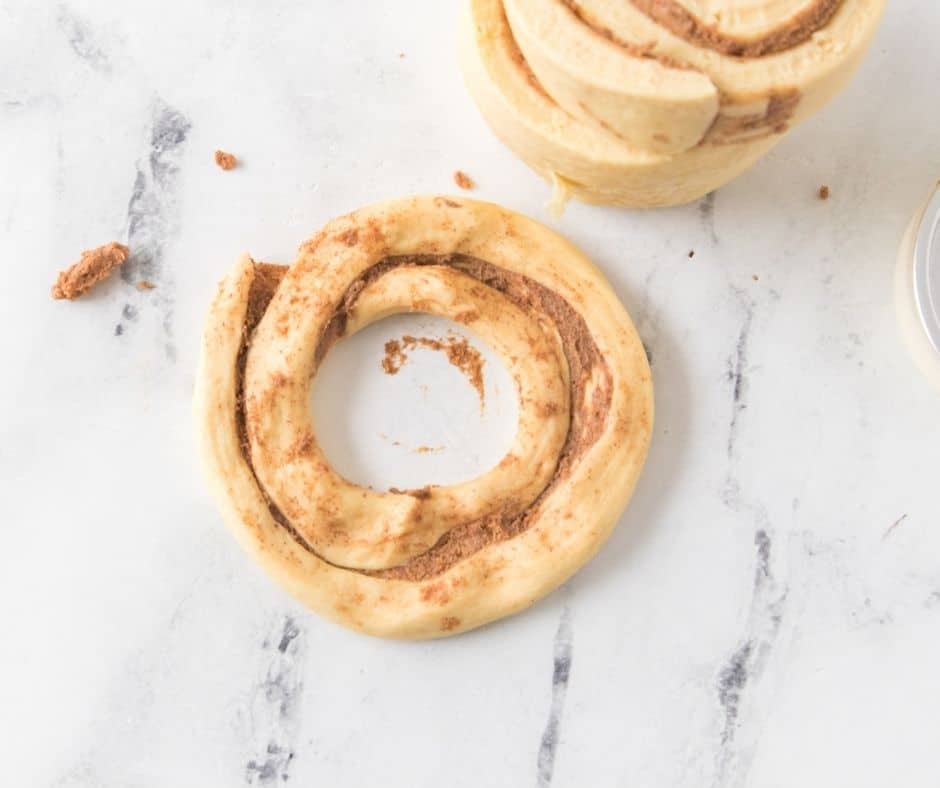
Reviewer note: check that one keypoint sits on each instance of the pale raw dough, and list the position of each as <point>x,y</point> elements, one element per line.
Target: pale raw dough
<point>632,111</point>
<point>339,547</point>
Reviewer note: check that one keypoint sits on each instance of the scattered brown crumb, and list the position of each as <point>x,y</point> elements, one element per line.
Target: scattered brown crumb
<point>459,353</point>
<point>226,161</point>
<point>420,449</point>
<point>755,277</point>
<point>401,55</point>
<point>349,237</point>
<point>691,253</point>
<point>145,284</point>
<point>422,494</point>
<point>823,192</point>
<point>394,357</point>
<point>95,266</point>
<point>463,180</point>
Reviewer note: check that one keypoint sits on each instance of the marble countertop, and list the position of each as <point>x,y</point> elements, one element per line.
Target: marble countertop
<point>767,612</point>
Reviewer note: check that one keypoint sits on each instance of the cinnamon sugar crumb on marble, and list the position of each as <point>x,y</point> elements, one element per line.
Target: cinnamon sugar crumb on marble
<point>823,192</point>
<point>226,161</point>
<point>394,357</point>
<point>95,266</point>
<point>145,284</point>
<point>463,180</point>
<point>459,352</point>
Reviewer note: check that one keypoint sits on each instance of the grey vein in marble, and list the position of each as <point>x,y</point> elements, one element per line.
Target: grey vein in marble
<point>892,527</point>
<point>706,212</point>
<point>275,706</point>
<point>868,615</point>
<point>59,165</point>
<point>153,216</point>
<point>747,662</point>
<point>290,633</point>
<point>561,672</point>
<point>647,317</point>
<point>737,370</point>
<point>731,683</point>
<point>79,35</point>
<point>129,314</point>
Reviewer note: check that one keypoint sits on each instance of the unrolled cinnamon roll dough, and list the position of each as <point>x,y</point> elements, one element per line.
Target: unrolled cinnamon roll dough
<point>440,559</point>
<point>647,103</point>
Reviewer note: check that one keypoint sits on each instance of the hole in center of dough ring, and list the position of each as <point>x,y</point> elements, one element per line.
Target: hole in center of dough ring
<point>361,528</point>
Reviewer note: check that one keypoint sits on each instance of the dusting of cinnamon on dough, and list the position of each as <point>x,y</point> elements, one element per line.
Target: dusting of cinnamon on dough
<point>460,354</point>
<point>349,237</point>
<point>463,180</point>
<point>145,284</point>
<point>95,266</point>
<point>302,446</point>
<point>547,409</point>
<point>435,592</point>
<point>470,316</point>
<point>449,623</point>
<point>590,385</point>
<point>226,161</point>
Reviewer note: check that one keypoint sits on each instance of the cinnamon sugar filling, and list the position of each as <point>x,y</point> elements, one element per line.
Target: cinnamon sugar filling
<point>673,16</point>
<point>589,408</point>
<point>679,20</point>
<point>781,103</point>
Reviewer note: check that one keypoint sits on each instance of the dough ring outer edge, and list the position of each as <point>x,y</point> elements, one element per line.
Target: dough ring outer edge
<point>567,523</point>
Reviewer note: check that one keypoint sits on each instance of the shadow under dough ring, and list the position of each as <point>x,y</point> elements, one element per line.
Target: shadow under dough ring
<point>440,559</point>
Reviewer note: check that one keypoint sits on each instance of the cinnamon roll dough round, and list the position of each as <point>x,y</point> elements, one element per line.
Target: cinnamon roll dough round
<point>647,103</point>
<point>440,559</point>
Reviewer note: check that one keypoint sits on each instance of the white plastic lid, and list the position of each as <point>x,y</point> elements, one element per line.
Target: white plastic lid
<point>927,270</point>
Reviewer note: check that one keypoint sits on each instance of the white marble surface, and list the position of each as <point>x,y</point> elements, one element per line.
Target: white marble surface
<point>753,621</point>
